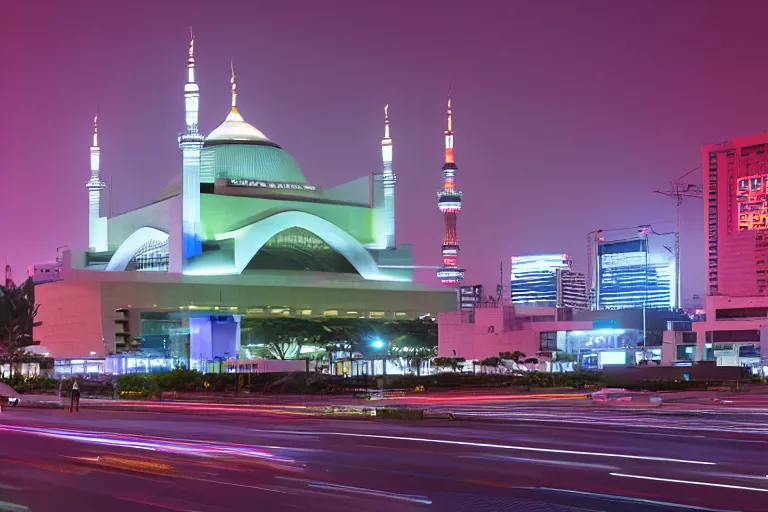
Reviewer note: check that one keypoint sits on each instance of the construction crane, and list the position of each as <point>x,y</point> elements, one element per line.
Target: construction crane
<point>680,189</point>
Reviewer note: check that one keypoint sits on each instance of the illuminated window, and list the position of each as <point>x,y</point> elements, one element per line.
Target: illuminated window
<point>305,312</point>
<point>331,312</point>
<point>376,314</point>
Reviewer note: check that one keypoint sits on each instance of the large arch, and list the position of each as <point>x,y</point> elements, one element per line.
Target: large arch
<point>132,245</point>
<point>251,238</point>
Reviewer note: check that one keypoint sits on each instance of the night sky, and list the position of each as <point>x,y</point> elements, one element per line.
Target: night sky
<point>568,114</point>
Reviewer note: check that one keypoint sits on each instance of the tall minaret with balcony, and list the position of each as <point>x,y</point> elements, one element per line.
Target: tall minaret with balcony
<point>97,239</point>
<point>191,143</point>
<point>389,182</point>
<point>449,202</point>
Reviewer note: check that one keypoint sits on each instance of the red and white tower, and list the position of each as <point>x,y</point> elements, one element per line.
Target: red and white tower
<point>449,202</point>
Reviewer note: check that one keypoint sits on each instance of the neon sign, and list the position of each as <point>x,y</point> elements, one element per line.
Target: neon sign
<point>752,201</point>
<point>270,184</point>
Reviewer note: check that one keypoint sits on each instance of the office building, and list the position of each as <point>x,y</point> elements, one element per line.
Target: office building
<point>630,276</point>
<point>547,280</point>
<point>735,183</point>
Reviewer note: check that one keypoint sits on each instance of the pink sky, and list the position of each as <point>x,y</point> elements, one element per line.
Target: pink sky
<point>568,114</point>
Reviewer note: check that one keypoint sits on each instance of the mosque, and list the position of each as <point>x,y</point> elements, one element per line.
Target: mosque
<point>239,233</point>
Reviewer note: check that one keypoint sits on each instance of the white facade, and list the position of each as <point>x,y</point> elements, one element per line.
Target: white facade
<point>191,143</point>
<point>97,226</point>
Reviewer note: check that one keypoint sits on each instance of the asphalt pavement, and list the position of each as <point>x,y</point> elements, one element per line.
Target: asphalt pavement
<point>222,460</point>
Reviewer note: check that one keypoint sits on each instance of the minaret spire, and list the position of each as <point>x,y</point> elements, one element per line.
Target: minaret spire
<point>389,179</point>
<point>96,130</point>
<point>233,81</point>
<point>449,202</point>
<point>97,239</point>
<point>386,121</point>
<point>190,143</point>
<point>191,58</point>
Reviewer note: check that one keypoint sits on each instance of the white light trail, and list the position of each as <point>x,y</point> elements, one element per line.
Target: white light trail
<point>690,482</point>
<point>497,446</point>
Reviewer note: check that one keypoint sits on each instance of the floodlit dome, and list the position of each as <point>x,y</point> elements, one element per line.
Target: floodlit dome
<point>237,150</point>
<point>233,129</point>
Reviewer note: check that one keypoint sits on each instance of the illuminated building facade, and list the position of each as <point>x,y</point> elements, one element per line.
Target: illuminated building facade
<point>736,208</point>
<point>449,202</point>
<point>547,280</point>
<point>735,183</point>
<point>238,233</point>
<point>470,297</point>
<point>629,276</point>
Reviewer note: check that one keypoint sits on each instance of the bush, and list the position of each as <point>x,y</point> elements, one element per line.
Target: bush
<point>180,380</point>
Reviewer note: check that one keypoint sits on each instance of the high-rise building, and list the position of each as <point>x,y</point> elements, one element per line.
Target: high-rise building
<point>547,279</point>
<point>629,276</point>
<point>571,289</point>
<point>736,209</point>
<point>449,203</point>
<point>732,329</point>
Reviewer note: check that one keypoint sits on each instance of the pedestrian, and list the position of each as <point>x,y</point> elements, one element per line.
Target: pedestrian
<point>74,397</point>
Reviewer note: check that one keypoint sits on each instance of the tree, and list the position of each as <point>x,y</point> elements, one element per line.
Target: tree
<point>284,338</point>
<point>17,317</point>
<point>454,363</point>
<point>515,356</point>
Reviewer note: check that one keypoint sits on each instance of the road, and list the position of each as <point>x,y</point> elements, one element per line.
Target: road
<point>217,460</point>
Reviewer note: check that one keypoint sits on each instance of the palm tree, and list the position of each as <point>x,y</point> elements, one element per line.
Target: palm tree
<point>17,317</point>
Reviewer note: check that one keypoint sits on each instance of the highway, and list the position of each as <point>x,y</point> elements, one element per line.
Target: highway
<point>219,460</point>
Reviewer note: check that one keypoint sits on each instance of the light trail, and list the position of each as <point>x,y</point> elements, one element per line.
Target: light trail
<point>360,490</point>
<point>491,445</point>
<point>690,482</point>
<point>203,449</point>
<point>629,499</point>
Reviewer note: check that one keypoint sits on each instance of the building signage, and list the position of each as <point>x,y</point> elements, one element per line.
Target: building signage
<point>269,184</point>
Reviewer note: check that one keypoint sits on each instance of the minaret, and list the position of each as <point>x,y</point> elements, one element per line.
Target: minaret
<point>449,203</point>
<point>190,144</point>
<point>96,241</point>
<point>389,182</point>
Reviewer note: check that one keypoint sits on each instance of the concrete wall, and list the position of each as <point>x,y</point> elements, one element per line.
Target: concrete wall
<point>493,331</point>
<point>71,319</point>
<point>78,314</point>
<point>156,215</point>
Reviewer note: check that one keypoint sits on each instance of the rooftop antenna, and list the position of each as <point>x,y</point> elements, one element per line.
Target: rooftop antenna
<point>680,189</point>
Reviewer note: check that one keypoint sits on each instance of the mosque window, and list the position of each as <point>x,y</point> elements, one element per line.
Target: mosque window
<point>151,257</point>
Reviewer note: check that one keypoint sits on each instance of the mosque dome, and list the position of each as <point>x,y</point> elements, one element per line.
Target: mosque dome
<point>235,129</point>
<point>238,150</point>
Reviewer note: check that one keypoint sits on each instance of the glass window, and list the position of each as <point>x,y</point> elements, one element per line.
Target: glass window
<point>547,341</point>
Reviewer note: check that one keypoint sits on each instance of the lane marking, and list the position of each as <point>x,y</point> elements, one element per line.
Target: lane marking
<point>359,490</point>
<point>544,462</point>
<point>491,445</point>
<point>627,498</point>
<point>690,482</point>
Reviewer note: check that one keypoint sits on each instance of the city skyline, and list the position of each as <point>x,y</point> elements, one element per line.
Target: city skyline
<point>544,160</point>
